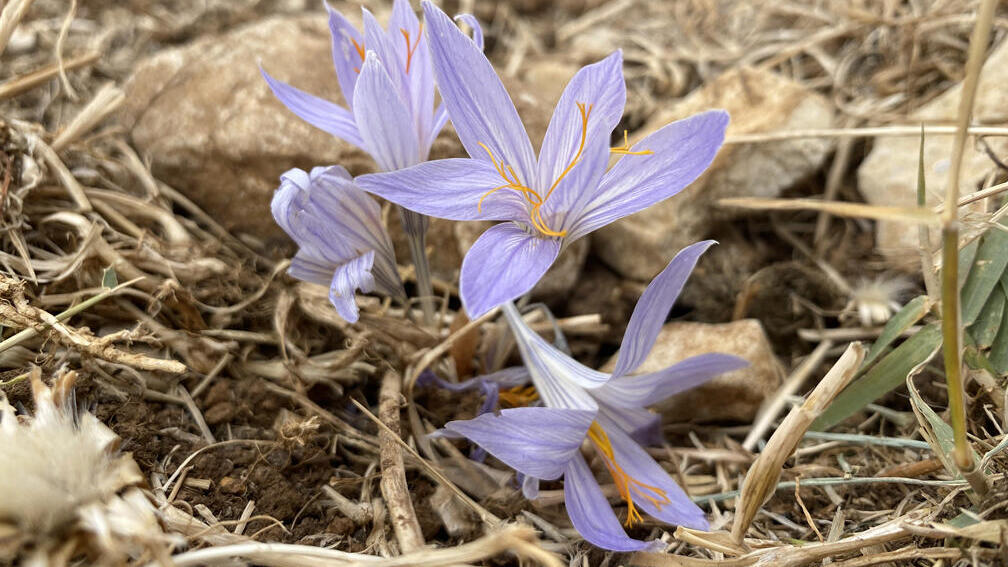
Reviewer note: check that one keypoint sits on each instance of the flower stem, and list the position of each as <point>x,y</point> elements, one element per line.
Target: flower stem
<point>415,227</point>
<point>950,308</point>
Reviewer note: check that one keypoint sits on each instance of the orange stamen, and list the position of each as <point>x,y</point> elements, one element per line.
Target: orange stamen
<point>360,51</point>
<point>359,47</point>
<point>627,486</point>
<point>580,150</point>
<point>531,195</point>
<point>411,49</point>
<point>625,150</point>
<point>519,397</point>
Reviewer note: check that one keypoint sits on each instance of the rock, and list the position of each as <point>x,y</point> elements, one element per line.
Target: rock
<point>204,116</point>
<point>888,176</point>
<point>641,245</point>
<point>735,396</point>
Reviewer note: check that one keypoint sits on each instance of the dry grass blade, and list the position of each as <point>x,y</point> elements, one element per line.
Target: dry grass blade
<point>27,82</point>
<point>854,210</point>
<point>762,477</point>
<point>517,540</point>
<point>10,17</point>
<point>106,101</point>
<point>862,133</point>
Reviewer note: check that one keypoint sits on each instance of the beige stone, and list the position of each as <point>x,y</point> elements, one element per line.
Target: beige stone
<point>888,176</point>
<point>641,245</point>
<point>735,396</point>
<point>205,118</point>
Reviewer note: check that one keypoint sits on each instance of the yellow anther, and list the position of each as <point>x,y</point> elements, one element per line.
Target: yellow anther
<point>627,486</point>
<point>532,197</point>
<point>625,150</point>
<point>519,397</point>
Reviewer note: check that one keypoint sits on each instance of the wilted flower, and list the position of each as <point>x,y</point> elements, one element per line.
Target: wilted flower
<point>342,242</point>
<point>564,194</point>
<point>606,409</point>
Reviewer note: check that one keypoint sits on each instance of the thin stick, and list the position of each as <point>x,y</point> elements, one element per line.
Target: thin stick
<point>64,29</point>
<point>62,173</point>
<point>21,84</point>
<point>950,308</point>
<point>861,133</point>
<point>761,478</point>
<point>30,332</point>
<point>857,210</point>
<point>393,478</point>
<point>485,515</point>
<point>770,412</point>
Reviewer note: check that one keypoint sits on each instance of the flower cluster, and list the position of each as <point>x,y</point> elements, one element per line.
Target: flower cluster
<point>545,201</point>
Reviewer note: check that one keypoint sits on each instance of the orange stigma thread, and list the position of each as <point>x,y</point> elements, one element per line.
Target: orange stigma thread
<point>360,51</point>
<point>625,150</point>
<point>627,486</point>
<point>531,195</point>
<point>520,396</point>
<point>411,48</point>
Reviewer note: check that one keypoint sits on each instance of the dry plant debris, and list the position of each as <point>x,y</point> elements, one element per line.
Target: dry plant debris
<point>231,386</point>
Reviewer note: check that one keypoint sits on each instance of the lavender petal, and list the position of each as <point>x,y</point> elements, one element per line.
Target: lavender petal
<point>635,461</point>
<point>503,263</point>
<point>538,442</point>
<point>682,151</point>
<point>560,380</point>
<point>651,388</point>
<point>349,277</point>
<point>449,189</point>
<point>591,514</point>
<point>320,113</point>
<point>347,59</point>
<point>643,425</point>
<point>600,88</point>
<point>383,118</point>
<point>477,102</point>
<point>653,307</point>
<point>477,29</point>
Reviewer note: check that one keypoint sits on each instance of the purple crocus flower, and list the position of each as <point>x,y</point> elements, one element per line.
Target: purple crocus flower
<point>388,85</point>
<point>386,79</point>
<point>565,193</point>
<point>338,228</point>
<point>606,409</point>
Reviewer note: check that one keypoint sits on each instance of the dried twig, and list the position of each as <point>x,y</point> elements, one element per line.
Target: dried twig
<point>393,481</point>
<point>763,474</point>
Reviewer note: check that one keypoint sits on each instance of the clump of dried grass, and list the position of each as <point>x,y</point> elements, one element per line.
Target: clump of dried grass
<point>77,199</point>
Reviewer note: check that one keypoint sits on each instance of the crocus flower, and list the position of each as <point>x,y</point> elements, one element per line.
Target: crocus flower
<point>606,409</point>
<point>565,193</point>
<point>338,228</point>
<point>386,80</point>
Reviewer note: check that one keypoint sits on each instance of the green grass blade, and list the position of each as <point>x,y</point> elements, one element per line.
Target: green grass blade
<point>912,312</point>
<point>887,375</point>
<point>988,322</point>
<point>937,433</point>
<point>987,269</point>
<point>966,256</point>
<point>998,355</point>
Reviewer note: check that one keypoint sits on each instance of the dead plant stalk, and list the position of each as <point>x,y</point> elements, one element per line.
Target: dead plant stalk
<point>950,308</point>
